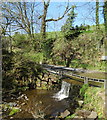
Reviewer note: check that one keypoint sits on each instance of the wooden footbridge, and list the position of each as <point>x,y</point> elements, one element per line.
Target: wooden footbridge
<point>73,73</point>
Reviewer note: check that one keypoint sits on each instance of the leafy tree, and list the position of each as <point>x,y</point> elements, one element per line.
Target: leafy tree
<point>68,26</point>
<point>75,46</point>
<point>67,48</point>
<point>21,42</point>
<point>65,51</point>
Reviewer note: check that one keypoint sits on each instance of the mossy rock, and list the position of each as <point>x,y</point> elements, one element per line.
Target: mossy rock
<point>14,110</point>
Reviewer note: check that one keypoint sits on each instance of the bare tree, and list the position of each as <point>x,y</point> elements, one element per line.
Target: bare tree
<point>5,25</point>
<point>45,20</point>
<point>22,14</point>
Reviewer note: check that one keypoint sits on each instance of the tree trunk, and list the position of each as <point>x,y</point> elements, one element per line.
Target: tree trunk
<point>45,20</point>
<point>68,62</point>
<point>97,15</point>
<point>105,17</point>
<point>43,26</point>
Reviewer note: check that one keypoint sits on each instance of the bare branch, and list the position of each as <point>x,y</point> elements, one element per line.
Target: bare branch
<point>59,18</point>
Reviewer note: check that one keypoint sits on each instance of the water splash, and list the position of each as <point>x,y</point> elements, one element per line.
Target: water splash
<point>64,92</point>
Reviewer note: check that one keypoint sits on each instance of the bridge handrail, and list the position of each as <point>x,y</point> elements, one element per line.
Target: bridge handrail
<point>61,68</point>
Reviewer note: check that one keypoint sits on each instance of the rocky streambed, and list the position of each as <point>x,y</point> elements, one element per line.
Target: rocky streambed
<point>40,104</point>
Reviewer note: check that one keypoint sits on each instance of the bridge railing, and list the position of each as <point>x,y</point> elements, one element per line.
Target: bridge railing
<point>60,70</point>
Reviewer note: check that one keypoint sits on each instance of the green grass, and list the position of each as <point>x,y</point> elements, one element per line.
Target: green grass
<point>89,31</point>
<point>94,100</point>
<point>93,27</point>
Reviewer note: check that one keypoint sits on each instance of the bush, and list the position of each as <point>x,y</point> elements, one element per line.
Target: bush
<point>18,70</point>
<point>7,67</point>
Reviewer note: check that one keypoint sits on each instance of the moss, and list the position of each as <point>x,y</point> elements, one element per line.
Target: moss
<point>14,110</point>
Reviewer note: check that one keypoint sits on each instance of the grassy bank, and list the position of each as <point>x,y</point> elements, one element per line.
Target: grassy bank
<point>94,99</point>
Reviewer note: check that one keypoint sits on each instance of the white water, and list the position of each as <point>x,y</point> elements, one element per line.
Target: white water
<point>64,92</point>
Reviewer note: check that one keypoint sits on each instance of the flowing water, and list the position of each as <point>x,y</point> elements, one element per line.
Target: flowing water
<point>64,92</point>
<point>40,103</point>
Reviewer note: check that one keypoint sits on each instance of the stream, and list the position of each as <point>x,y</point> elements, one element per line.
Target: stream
<point>44,103</point>
<point>48,104</point>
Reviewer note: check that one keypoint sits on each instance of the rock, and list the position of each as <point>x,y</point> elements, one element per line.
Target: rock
<point>77,118</point>
<point>80,103</point>
<point>12,104</point>
<point>21,96</point>
<point>26,98</point>
<point>23,104</point>
<point>65,114</point>
<point>93,115</point>
<point>83,113</point>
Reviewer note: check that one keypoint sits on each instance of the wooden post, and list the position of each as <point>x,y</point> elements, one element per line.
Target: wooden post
<point>61,73</point>
<point>105,84</point>
<point>85,80</point>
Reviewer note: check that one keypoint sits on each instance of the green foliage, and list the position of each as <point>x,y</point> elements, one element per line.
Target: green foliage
<point>7,67</point>
<point>20,41</point>
<point>26,71</point>
<point>94,100</point>
<point>19,70</point>
<point>90,31</point>
<point>69,22</point>
<point>83,89</point>
<point>36,57</point>
<point>100,66</point>
<point>47,46</point>
<point>80,50</point>
<point>70,116</point>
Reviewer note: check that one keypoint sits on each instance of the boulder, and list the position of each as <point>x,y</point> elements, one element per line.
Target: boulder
<point>83,113</point>
<point>93,115</point>
<point>65,114</point>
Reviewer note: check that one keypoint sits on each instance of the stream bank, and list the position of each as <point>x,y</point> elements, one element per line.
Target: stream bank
<point>91,105</point>
<point>82,102</point>
<point>40,104</point>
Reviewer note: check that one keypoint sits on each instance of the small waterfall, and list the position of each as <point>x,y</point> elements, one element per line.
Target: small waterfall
<point>64,92</point>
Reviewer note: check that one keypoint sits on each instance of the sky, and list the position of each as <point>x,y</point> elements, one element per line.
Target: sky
<point>85,14</point>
